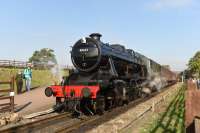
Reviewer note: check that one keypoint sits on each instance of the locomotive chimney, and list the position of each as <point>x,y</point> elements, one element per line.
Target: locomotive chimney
<point>96,36</point>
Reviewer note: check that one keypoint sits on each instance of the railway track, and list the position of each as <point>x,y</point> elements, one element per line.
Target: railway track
<point>34,124</point>
<point>63,122</point>
<point>108,115</point>
<point>90,122</point>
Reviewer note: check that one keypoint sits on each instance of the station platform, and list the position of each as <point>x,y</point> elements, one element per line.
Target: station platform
<point>32,101</point>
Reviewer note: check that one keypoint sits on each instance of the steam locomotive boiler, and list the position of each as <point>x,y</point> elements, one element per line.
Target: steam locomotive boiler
<point>106,76</point>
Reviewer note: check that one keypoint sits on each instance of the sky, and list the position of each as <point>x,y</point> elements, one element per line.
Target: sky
<point>166,31</point>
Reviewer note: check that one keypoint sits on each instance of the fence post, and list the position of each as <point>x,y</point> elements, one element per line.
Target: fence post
<point>12,94</point>
<point>14,63</point>
<point>153,106</point>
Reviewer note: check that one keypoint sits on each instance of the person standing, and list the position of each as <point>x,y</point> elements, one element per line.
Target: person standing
<point>62,81</point>
<point>19,81</point>
<point>28,76</point>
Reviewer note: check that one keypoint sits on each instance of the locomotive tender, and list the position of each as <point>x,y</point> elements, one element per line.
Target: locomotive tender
<point>106,76</point>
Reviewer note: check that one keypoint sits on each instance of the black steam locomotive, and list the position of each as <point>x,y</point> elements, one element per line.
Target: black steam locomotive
<point>106,76</point>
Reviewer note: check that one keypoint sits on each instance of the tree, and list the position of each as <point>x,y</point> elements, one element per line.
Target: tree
<point>194,64</point>
<point>45,56</point>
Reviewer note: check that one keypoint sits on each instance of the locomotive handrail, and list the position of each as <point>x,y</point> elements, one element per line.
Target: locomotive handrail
<point>123,55</point>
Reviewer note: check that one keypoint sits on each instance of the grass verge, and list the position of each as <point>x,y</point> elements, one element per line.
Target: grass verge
<point>172,120</point>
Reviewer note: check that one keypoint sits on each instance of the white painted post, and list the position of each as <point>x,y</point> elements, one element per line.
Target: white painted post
<point>153,106</point>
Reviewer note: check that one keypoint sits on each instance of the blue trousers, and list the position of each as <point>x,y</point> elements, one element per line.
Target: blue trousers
<point>28,84</point>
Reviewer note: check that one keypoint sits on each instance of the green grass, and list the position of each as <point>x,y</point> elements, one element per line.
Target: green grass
<point>40,77</point>
<point>172,120</point>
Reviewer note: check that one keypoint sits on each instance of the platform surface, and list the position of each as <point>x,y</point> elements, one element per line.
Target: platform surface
<point>33,101</point>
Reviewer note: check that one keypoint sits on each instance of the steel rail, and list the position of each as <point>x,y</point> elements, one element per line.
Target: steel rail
<point>35,124</point>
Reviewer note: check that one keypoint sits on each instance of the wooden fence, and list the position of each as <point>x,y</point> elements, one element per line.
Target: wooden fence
<point>13,63</point>
<point>23,64</point>
<point>7,106</point>
<point>192,106</point>
<point>197,124</point>
<point>35,65</point>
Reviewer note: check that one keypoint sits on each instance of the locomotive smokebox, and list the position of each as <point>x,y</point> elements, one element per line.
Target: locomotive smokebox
<point>96,36</point>
<point>86,57</point>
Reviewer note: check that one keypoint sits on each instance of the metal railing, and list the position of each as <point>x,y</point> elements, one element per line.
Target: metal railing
<point>5,105</point>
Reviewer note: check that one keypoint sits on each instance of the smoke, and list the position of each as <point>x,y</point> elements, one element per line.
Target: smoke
<point>56,72</point>
<point>155,82</point>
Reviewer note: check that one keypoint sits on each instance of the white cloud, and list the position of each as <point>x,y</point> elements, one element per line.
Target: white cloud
<point>160,4</point>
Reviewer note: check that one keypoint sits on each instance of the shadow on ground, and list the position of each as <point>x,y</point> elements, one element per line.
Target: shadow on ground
<point>172,121</point>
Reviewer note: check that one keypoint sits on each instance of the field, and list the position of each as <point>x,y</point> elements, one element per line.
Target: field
<point>40,77</point>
